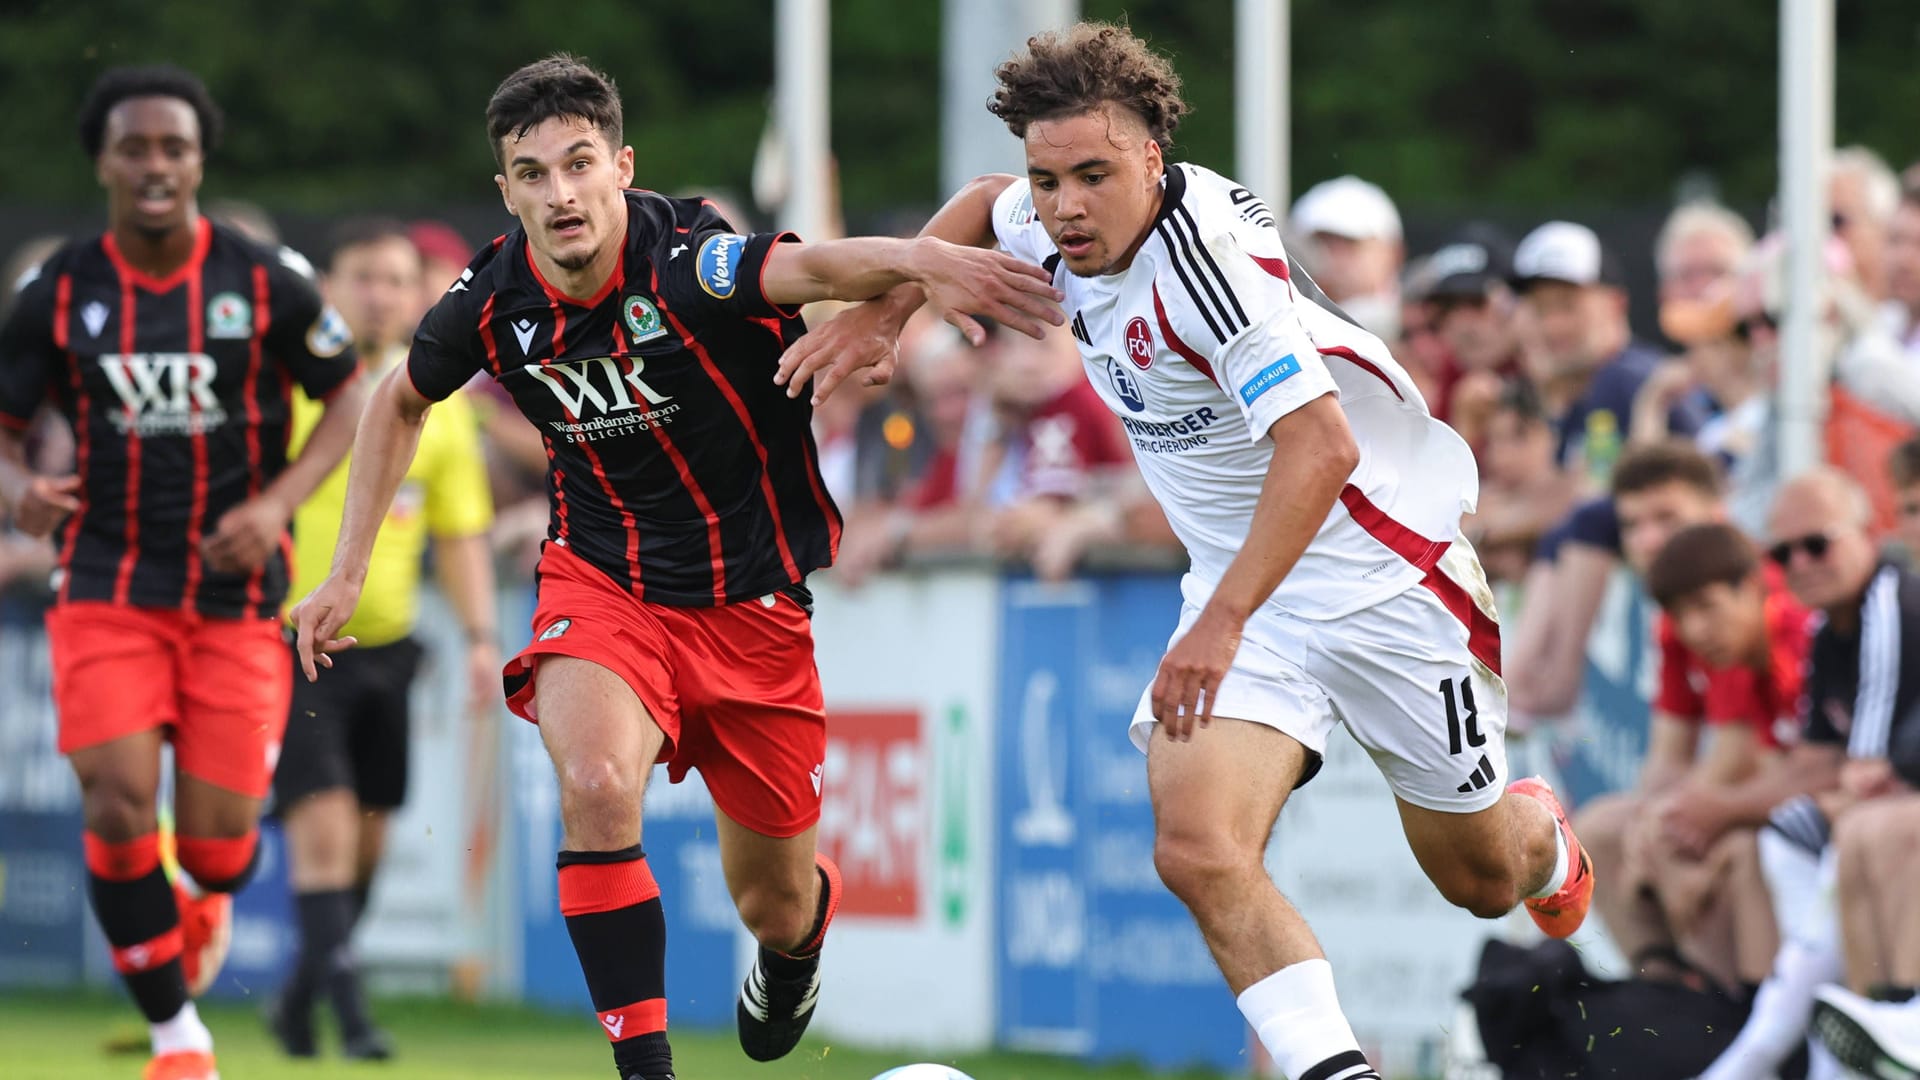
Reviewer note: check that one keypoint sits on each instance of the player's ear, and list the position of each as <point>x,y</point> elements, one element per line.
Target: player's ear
<point>623,164</point>
<point>500,181</point>
<point>1156,161</point>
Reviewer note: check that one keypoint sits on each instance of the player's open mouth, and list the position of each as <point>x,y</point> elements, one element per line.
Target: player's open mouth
<point>1074,245</point>
<point>157,198</point>
<point>568,226</point>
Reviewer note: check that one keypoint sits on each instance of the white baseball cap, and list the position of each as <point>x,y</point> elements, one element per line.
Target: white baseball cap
<point>1566,252</point>
<point>1347,206</point>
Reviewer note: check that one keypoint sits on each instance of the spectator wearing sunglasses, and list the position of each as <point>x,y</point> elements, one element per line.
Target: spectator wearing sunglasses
<point>1863,687</point>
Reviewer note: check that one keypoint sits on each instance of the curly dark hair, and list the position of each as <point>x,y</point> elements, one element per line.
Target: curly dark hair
<point>560,85</point>
<point>116,85</point>
<point>1076,70</point>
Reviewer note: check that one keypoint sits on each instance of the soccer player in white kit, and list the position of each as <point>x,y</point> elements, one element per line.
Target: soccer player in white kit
<point>1319,502</point>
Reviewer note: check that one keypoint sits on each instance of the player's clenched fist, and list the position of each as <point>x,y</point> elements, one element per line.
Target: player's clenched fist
<point>1191,671</point>
<point>962,281</point>
<point>317,621</point>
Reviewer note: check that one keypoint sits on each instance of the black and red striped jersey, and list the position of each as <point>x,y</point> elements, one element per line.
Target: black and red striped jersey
<point>675,465</point>
<point>179,393</point>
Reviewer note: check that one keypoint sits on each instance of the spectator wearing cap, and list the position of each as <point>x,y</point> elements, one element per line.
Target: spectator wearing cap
<point>1465,283</point>
<point>1900,311</point>
<point>1354,231</point>
<point>1575,292</point>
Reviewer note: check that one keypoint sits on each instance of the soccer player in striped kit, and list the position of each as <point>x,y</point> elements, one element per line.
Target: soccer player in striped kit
<point>639,334</point>
<point>172,345</point>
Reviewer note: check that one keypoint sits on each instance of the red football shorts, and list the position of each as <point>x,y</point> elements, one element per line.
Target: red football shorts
<point>734,688</point>
<point>219,687</point>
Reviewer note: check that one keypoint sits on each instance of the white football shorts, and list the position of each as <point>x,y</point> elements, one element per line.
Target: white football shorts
<point>1414,678</point>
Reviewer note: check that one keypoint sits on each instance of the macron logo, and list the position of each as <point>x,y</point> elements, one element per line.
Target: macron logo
<point>523,333</point>
<point>614,1023</point>
<point>1273,375</point>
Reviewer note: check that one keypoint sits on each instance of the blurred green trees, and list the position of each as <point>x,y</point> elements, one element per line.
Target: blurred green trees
<point>1445,102</point>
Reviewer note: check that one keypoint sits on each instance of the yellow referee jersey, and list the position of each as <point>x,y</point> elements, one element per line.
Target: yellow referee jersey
<point>444,494</point>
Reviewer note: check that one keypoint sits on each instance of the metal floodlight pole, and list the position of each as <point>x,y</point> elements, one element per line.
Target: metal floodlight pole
<point>1262,120</point>
<point>1806,149</point>
<point>801,94</point>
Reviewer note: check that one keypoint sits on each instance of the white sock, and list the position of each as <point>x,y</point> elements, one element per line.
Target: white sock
<point>1297,1016</point>
<point>1782,1009</point>
<point>183,1032</point>
<point>1562,862</point>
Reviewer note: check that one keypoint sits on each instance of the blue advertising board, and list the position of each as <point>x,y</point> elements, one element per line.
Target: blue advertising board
<point>1095,956</point>
<point>1602,750</point>
<point>42,873</point>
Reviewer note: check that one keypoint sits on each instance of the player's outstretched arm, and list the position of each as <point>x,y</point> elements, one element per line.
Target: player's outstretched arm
<point>1313,455</point>
<point>959,280</point>
<point>382,452</point>
<point>865,338</point>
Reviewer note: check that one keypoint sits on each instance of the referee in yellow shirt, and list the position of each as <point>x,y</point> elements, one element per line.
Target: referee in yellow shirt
<point>343,765</point>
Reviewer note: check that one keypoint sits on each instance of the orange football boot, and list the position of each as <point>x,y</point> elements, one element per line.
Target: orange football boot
<point>1562,913</point>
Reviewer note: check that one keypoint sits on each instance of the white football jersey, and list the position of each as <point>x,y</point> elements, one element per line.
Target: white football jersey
<point>1202,343</point>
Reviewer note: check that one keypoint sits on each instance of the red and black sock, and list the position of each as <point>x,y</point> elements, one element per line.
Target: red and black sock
<point>134,902</point>
<point>612,907</point>
<point>799,964</point>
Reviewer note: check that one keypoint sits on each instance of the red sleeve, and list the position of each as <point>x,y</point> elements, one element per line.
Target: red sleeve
<point>1677,697</point>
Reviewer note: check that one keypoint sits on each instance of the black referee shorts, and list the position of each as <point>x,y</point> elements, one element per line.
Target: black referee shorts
<point>349,729</point>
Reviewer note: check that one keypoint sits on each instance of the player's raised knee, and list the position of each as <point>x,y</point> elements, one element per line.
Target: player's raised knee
<point>778,916</point>
<point>1195,865</point>
<point>1488,892</point>
<point>594,781</point>
<point>118,812</point>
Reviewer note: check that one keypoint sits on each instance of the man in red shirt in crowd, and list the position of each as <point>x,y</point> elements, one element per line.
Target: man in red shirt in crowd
<point>1733,648</point>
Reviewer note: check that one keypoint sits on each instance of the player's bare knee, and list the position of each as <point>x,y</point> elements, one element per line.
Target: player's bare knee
<point>1196,866</point>
<point>118,813</point>
<point>599,792</point>
<point>1486,891</point>
<point>778,915</point>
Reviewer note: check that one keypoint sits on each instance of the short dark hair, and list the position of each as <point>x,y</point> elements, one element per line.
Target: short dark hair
<point>559,86</point>
<point>1652,465</point>
<point>119,84</point>
<point>1076,70</point>
<point>1698,556</point>
<point>1904,463</point>
<point>360,231</point>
